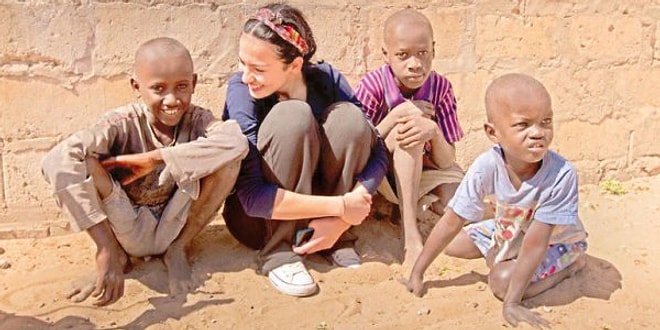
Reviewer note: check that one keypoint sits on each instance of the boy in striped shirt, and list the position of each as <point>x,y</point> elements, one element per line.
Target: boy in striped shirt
<point>414,110</point>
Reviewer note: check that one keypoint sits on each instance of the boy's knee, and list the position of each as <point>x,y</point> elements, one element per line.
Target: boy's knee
<point>224,176</point>
<point>101,178</point>
<point>498,279</point>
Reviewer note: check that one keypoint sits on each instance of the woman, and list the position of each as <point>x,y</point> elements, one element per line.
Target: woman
<point>314,158</point>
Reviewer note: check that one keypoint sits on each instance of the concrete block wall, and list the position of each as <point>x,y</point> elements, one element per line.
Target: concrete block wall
<point>63,63</point>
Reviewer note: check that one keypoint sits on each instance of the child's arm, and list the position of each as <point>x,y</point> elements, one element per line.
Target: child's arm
<point>415,120</point>
<point>223,144</point>
<point>532,252</point>
<point>442,234</point>
<point>137,165</point>
<point>415,130</point>
<point>443,153</point>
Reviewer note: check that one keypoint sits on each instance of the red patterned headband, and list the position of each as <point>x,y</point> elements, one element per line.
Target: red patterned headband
<point>288,33</point>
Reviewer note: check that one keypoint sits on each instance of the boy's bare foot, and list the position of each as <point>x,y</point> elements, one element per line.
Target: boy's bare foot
<point>178,270</point>
<point>103,283</point>
<point>410,254</point>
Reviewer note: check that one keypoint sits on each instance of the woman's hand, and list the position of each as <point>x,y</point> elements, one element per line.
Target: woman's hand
<point>326,233</point>
<point>357,205</point>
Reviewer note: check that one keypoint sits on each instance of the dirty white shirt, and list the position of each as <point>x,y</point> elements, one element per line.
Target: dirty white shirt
<point>202,145</point>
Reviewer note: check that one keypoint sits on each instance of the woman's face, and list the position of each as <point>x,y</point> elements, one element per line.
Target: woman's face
<point>263,70</point>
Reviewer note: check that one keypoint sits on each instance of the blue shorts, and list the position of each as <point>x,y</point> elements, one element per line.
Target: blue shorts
<point>558,257</point>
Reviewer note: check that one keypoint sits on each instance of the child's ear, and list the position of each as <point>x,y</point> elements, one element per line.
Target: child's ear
<point>384,55</point>
<point>194,82</point>
<point>433,48</point>
<point>489,129</point>
<point>135,86</point>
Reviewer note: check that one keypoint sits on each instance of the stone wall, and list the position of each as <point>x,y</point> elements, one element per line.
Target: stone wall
<point>63,63</point>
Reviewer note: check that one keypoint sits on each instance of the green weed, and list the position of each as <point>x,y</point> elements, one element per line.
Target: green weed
<point>613,187</point>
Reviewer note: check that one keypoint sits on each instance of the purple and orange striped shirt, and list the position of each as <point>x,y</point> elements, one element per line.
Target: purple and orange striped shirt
<point>378,92</point>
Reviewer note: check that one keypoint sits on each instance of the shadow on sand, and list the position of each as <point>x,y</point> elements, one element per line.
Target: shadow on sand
<point>599,279</point>
<point>14,321</point>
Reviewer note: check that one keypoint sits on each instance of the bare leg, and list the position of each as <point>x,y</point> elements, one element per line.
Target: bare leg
<point>408,170</point>
<point>107,282</point>
<point>463,247</point>
<point>445,192</point>
<point>214,190</point>
<point>498,279</point>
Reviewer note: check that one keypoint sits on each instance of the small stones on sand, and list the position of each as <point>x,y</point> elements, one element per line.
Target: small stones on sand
<point>472,304</point>
<point>4,264</point>
<point>424,311</point>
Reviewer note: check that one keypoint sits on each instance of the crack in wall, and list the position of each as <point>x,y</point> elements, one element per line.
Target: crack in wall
<point>3,191</point>
<point>629,154</point>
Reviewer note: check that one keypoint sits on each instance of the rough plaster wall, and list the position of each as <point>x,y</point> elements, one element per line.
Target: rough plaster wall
<point>63,63</point>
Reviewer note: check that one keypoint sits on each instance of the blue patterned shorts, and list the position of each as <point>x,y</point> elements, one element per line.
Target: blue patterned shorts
<point>558,257</point>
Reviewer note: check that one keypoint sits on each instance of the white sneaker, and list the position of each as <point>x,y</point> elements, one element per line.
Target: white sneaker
<point>293,279</point>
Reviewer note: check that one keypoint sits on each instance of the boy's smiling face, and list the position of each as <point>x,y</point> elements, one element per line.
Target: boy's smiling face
<point>409,51</point>
<point>165,84</point>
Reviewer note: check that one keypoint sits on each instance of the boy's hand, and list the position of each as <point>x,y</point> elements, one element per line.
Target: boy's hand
<point>415,130</point>
<point>415,285</point>
<point>326,233</point>
<point>131,167</point>
<point>515,313</point>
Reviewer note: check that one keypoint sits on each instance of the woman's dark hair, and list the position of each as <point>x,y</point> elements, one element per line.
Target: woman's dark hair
<point>292,17</point>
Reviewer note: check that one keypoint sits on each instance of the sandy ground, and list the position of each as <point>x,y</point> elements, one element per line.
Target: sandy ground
<point>618,289</point>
